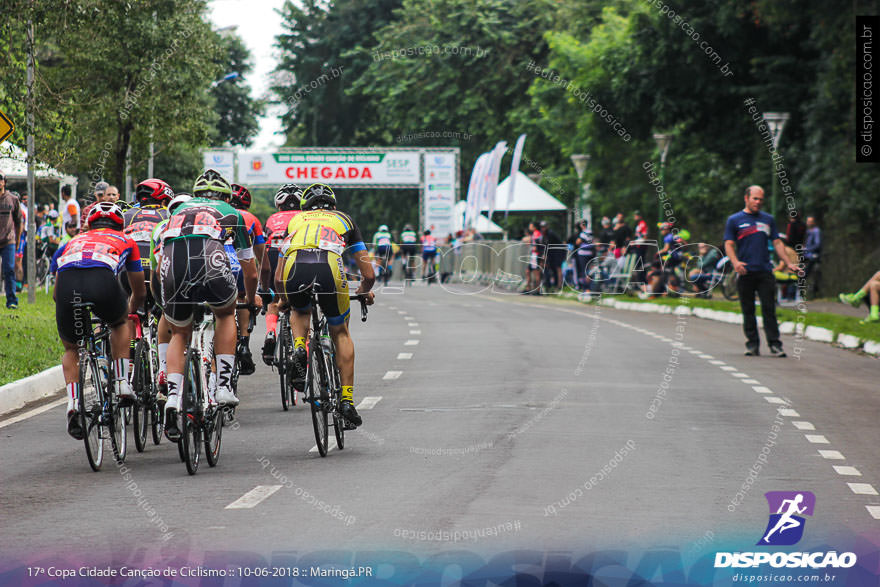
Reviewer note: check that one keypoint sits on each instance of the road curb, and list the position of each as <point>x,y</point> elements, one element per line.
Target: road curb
<point>815,333</point>
<point>15,395</point>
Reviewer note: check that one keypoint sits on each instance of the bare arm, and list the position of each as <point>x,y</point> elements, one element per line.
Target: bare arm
<point>730,249</point>
<point>138,291</point>
<point>368,277</point>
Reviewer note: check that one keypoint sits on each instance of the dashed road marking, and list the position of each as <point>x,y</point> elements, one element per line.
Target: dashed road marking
<point>404,356</point>
<point>789,413</point>
<point>751,381</point>
<point>874,510</point>
<point>801,425</point>
<point>392,375</point>
<point>705,356</point>
<point>369,402</point>
<point>717,362</point>
<point>762,389</point>
<point>728,368</point>
<point>415,331</point>
<point>254,496</point>
<point>817,438</point>
<point>832,455</point>
<point>774,400</point>
<point>411,342</point>
<point>740,375</point>
<point>845,470</point>
<point>862,488</point>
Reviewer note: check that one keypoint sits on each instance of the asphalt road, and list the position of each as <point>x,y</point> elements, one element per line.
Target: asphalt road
<point>496,418</point>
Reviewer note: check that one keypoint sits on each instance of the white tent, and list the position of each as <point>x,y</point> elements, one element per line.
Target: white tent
<point>13,164</point>
<point>483,224</point>
<point>527,197</point>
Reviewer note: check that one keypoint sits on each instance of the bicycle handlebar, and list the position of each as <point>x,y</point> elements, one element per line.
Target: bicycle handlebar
<point>363,302</point>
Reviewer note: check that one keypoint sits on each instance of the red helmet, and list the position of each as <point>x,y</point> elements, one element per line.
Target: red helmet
<point>241,197</point>
<point>106,211</point>
<point>153,191</point>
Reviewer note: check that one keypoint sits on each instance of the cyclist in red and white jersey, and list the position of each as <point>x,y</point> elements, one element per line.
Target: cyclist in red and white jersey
<point>287,201</point>
<point>87,266</point>
<point>241,200</point>
<point>429,253</point>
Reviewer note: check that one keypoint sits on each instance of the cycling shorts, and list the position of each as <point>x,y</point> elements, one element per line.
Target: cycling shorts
<point>409,250</point>
<point>272,254</point>
<point>194,271</point>
<point>322,270</point>
<point>383,252</point>
<point>429,255</point>
<point>94,284</point>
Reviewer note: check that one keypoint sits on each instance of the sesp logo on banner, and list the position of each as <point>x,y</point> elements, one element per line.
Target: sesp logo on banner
<point>786,524</point>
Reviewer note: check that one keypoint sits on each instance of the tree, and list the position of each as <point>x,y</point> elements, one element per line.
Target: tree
<point>237,112</point>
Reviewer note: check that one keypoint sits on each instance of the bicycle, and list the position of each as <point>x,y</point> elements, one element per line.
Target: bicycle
<point>323,389</point>
<point>202,419</point>
<point>284,358</point>
<point>100,415</point>
<point>147,412</point>
<point>729,279</point>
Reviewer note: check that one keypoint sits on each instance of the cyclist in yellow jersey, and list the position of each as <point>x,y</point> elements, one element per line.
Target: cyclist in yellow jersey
<point>313,258</point>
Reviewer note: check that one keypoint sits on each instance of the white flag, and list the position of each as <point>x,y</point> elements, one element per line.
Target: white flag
<point>514,167</point>
<point>492,177</point>
<point>475,188</point>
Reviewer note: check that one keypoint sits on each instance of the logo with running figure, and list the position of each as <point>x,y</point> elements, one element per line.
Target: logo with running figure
<point>786,524</point>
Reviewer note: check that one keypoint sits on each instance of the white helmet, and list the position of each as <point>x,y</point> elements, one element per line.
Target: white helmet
<point>383,228</point>
<point>177,201</point>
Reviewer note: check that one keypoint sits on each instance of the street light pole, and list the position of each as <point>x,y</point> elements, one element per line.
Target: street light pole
<point>580,162</point>
<point>776,121</point>
<point>663,141</point>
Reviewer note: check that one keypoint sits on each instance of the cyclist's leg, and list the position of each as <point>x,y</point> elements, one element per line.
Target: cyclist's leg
<point>111,306</point>
<point>271,313</point>
<point>70,328</point>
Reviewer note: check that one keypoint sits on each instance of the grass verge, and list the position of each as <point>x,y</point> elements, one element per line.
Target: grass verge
<point>28,338</point>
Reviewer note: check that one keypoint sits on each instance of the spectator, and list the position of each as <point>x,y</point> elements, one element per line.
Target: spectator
<point>702,275</point>
<point>606,235</point>
<point>813,245</point>
<point>100,189</point>
<point>795,231</point>
<point>10,234</point>
<point>556,251</point>
<point>641,227</point>
<point>536,262</point>
<point>746,238</point>
<point>20,257</point>
<point>785,277</point>
<point>70,208</point>
<point>666,238</point>
<point>111,194</point>
<point>639,247</point>
<point>48,233</point>
<point>70,231</point>
<point>870,292</point>
<point>622,235</point>
<point>585,252</point>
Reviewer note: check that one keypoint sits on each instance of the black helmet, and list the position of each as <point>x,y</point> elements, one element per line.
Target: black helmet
<point>318,195</point>
<point>288,197</point>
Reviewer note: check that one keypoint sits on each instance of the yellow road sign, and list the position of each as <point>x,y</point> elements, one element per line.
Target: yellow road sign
<point>6,127</point>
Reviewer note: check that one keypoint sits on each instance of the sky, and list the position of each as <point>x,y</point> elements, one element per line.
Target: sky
<point>257,24</point>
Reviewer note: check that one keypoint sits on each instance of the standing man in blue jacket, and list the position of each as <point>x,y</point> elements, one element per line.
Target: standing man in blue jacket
<point>746,238</point>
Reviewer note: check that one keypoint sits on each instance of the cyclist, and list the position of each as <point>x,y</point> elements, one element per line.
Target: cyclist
<point>382,251</point>
<point>313,258</point>
<point>287,201</point>
<point>195,269</point>
<point>408,248</point>
<point>429,253</point>
<point>87,266</point>
<point>241,201</point>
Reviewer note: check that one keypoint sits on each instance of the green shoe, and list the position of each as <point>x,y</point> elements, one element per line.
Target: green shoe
<point>850,299</point>
<point>870,320</point>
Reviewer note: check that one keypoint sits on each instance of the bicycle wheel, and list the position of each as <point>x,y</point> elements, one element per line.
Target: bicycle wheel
<point>213,434</point>
<point>729,286</point>
<point>140,383</point>
<point>157,417</point>
<point>157,421</point>
<point>336,391</point>
<point>90,403</point>
<point>191,434</point>
<point>316,392</point>
<point>118,433</point>
<point>284,358</point>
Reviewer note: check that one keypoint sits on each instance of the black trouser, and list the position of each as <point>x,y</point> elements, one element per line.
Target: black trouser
<point>764,284</point>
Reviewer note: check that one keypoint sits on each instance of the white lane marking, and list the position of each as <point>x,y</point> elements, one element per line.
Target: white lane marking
<point>874,510</point>
<point>862,488</point>
<point>832,455</point>
<point>844,470</point>
<point>751,381</point>
<point>728,368</point>
<point>404,356</point>
<point>740,375</point>
<point>717,362</point>
<point>411,342</point>
<point>253,497</point>
<point>401,312</point>
<point>369,402</point>
<point>774,400</point>
<point>801,425</point>
<point>392,307</point>
<point>34,412</point>
<point>392,375</point>
<point>789,413</point>
<point>685,347</point>
<point>331,444</point>
<point>817,438</point>
<point>413,324</point>
<point>415,331</point>
<point>705,356</point>
<point>695,352</point>
<point>762,389</point>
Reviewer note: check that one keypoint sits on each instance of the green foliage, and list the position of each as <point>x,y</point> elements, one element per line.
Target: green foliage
<point>237,112</point>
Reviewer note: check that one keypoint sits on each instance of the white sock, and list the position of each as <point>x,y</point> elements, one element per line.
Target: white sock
<point>72,396</point>
<point>175,384</point>
<point>163,356</point>
<point>224,370</point>
<point>120,369</point>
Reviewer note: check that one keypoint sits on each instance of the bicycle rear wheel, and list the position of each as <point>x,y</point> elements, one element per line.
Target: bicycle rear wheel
<point>316,387</point>
<point>90,405</point>
<point>336,391</point>
<point>140,383</point>
<point>191,433</point>
<point>284,358</point>
<point>729,286</point>
<point>213,434</point>
<point>118,433</point>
